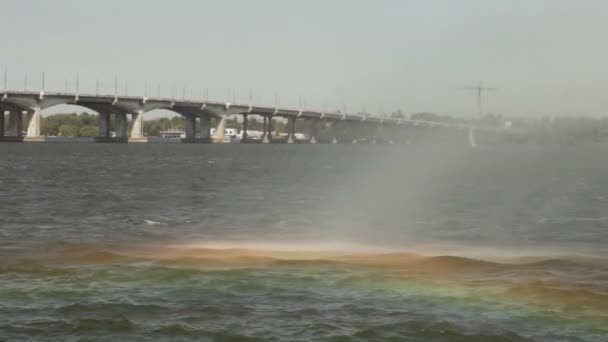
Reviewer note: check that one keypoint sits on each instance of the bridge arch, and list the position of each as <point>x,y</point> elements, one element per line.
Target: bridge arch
<point>77,120</point>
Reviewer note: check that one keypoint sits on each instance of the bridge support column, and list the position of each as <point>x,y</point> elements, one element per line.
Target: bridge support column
<point>1,124</point>
<point>245,137</point>
<point>205,124</point>
<point>355,132</point>
<point>191,129</point>
<point>15,124</point>
<point>105,135</point>
<point>334,131</point>
<point>264,129</point>
<point>190,126</point>
<point>379,134</point>
<point>270,128</point>
<point>33,126</point>
<point>104,125</point>
<point>291,130</point>
<point>120,123</point>
<point>268,136</point>
<point>137,128</point>
<point>313,131</point>
<point>389,134</point>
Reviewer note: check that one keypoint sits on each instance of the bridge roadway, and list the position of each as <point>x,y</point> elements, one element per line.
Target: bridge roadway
<point>18,104</point>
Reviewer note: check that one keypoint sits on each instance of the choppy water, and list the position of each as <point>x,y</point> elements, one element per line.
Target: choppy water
<point>289,243</point>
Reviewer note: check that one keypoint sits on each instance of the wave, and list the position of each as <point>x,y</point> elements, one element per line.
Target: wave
<point>76,326</point>
<point>155,223</point>
<point>175,330</point>
<point>428,331</point>
<point>572,294</point>
<point>110,309</point>
<point>557,220</point>
<point>574,285</point>
<point>75,254</point>
<point>456,264</point>
<point>405,330</point>
<point>565,281</point>
<point>67,253</point>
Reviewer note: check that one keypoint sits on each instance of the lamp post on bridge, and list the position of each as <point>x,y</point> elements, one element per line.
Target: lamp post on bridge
<point>5,80</point>
<point>480,89</point>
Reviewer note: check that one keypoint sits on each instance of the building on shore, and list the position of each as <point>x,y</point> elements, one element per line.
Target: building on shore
<point>173,133</point>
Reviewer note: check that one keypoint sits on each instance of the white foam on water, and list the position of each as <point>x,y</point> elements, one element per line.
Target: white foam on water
<point>154,223</point>
<point>334,247</point>
<point>551,220</point>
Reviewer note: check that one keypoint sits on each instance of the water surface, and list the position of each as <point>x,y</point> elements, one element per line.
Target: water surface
<point>303,242</point>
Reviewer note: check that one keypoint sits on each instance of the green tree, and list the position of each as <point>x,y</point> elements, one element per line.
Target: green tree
<point>88,131</point>
<point>68,130</point>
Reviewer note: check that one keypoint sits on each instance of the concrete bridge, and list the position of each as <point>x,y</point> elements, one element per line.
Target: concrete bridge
<point>198,117</point>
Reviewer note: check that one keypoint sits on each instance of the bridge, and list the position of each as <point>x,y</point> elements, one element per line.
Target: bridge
<point>198,115</point>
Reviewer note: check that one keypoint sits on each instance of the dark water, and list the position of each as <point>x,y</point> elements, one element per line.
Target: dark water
<point>289,243</point>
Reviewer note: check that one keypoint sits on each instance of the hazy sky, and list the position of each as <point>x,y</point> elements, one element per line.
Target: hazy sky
<point>546,57</point>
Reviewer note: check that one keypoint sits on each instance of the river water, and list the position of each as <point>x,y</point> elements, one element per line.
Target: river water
<point>166,242</point>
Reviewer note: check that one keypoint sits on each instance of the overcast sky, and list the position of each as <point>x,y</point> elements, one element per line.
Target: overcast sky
<point>546,57</point>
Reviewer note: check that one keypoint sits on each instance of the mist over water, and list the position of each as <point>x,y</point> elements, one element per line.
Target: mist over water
<point>291,242</point>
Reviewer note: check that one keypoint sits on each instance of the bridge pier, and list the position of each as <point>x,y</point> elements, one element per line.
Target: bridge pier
<point>313,131</point>
<point>291,128</point>
<point>354,135</point>
<point>190,126</point>
<point>357,132</point>
<point>270,128</point>
<point>120,126</point>
<point>268,136</point>
<point>335,126</point>
<point>33,126</point>
<point>393,135</point>
<point>264,123</point>
<point>105,119</point>
<point>205,124</point>
<point>1,123</point>
<point>15,121</point>
<point>104,125</point>
<point>192,129</point>
<point>245,122</point>
<point>14,127</point>
<point>137,127</point>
